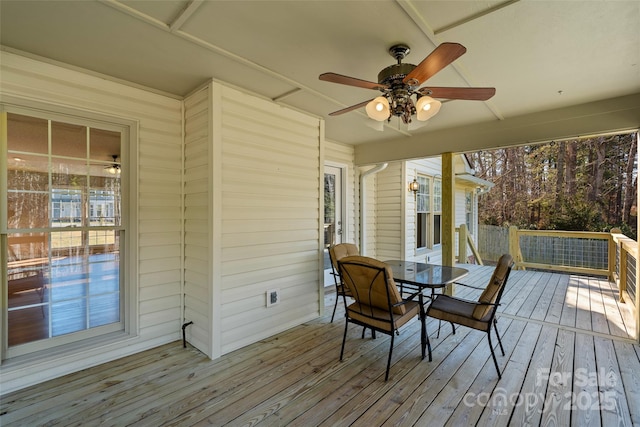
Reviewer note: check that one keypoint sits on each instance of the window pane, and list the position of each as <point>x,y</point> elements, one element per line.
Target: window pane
<point>28,172</point>
<point>104,309</point>
<point>437,236</point>
<point>437,195</point>
<point>421,230</point>
<point>69,173</point>
<point>69,278</point>
<point>27,286</point>
<point>28,324</point>
<point>27,134</point>
<point>68,140</point>
<point>68,316</point>
<point>422,197</point>
<point>27,210</point>
<point>103,242</point>
<point>66,243</point>
<point>104,145</point>
<point>66,208</point>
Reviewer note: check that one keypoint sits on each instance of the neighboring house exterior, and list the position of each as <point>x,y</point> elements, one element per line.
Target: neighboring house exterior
<point>409,225</point>
<point>220,202</point>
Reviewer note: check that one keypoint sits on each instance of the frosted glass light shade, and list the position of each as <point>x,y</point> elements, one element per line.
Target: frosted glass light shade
<point>427,107</point>
<point>378,109</point>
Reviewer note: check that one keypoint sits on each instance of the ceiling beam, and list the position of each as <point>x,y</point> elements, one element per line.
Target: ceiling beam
<point>421,23</point>
<point>185,14</point>
<point>612,115</point>
<point>474,16</point>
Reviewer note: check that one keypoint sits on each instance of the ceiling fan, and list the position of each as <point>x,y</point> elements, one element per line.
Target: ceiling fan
<point>399,82</point>
<point>114,168</point>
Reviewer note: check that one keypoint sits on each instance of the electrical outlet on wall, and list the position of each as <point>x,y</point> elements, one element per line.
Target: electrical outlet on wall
<point>273,297</point>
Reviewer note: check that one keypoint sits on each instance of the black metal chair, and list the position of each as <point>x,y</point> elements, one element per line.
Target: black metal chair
<point>378,304</point>
<point>336,253</point>
<point>480,314</point>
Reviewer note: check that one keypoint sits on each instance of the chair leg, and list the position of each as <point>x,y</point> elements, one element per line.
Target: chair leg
<point>425,340</point>
<point>334,307</point>
<point>495,325</point>
<point>386,376</point>
<point>424,337</point>
<point>344,338</point>
<point>493,355</point>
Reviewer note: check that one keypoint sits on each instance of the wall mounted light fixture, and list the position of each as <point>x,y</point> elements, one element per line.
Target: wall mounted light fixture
<point>414,186</point>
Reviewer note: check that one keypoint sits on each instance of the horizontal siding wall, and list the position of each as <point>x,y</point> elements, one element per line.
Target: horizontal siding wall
<point>158,205</point>
<point>370,225</point>
<point>389,206</point>
<point>270,221</point>
<point>197,220</point>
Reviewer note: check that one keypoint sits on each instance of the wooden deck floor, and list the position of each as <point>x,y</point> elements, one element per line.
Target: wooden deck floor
<point>569,361</point>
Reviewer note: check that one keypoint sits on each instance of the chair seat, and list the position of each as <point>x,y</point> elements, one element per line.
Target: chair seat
<point>478,314</point>
<point>380,318</point>
<point>458,311</point>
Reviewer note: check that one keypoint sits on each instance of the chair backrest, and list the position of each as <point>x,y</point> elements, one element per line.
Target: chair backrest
<point>341,250</point>
<point>371,283</point>
<point>493,291</point>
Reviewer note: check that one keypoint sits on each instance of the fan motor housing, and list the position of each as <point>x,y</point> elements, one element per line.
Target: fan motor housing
<point>394,72</point>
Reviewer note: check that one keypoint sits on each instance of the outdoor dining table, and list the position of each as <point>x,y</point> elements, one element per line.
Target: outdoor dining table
<point>421,276</point>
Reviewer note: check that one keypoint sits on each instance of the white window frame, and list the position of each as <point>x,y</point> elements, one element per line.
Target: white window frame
<point>428,212</point>
<point>423,213</point>
<point>437,213</point>
<point>128,325</point>
<point>469,209</point>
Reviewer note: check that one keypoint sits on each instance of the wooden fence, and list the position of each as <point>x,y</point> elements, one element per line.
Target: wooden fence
<point>589,253</point>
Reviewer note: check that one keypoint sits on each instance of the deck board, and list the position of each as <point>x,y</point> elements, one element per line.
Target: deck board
<point>569,359</point>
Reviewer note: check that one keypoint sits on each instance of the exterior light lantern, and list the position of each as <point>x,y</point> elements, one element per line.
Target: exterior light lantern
<point>414,186</point>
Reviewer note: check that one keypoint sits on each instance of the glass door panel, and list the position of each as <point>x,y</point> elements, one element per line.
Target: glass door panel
<point>333,215</point>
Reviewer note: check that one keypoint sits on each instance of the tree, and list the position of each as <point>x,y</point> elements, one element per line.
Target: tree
<point>588,184</point>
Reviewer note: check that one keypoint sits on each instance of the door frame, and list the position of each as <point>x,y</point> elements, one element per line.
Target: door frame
<point>345,227</point>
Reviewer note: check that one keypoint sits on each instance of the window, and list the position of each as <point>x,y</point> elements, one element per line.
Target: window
<point>428,212</point>
<point>423,211</point>
<point>468,210</point>
<point>64,229</point>
<point>437,212</point>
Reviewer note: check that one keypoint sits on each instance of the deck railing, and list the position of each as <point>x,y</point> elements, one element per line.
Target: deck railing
<point>612,255</point>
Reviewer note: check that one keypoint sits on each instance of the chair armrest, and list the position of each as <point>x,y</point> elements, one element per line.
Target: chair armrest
<point>468,286</point>
<point>409,298</point>
<point>488,303</point>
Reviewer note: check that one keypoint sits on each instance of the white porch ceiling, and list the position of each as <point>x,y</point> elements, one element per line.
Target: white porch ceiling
<point>539,55</point>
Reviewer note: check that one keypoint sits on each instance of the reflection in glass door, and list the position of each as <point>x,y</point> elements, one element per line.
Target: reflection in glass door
<point>333,215</point>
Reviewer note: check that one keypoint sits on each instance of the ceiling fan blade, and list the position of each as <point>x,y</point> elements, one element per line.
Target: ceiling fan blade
<point>442,56</point>
<point>351,81</point>
<point>469,93</point>
<point>353,107</point>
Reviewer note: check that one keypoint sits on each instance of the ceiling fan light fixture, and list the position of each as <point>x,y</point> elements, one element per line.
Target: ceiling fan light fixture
<point>427,107</point>
<point>378,109</point>
<point>115,167</point>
